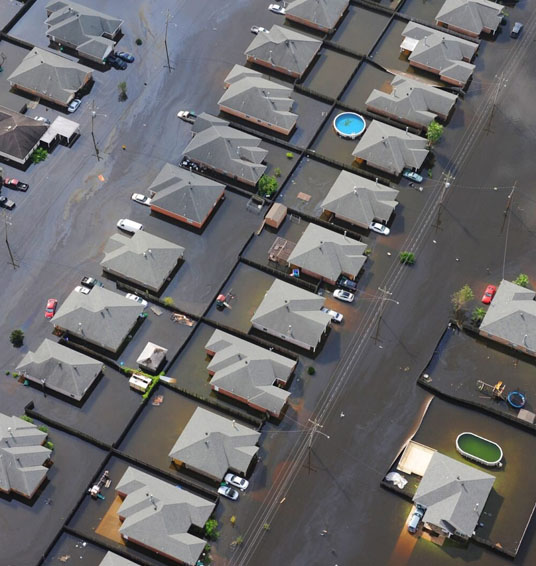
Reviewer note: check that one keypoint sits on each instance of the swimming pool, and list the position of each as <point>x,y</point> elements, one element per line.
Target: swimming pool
<point>479,449</point>
<point>349,125</point>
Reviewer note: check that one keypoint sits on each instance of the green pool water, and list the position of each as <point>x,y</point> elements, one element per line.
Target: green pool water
<point>479,447</point>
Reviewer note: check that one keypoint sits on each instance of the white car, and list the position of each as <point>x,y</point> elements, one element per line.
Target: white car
<point>42,119</point>
<point>185,114</point>
<point>129,225</point>
<point>83,290</point>
<point>343,295</point>
<point>228,492</point>
<point>236,481</point>
<point>139,300</point>
<point>257,29</point>
<point>142,199</point>
<point>74,105</point>
<point>335,316</point>
<point>379,228</point>
<point>277,9</point>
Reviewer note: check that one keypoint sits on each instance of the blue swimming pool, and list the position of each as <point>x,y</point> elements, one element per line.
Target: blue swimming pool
<point>349,125</point>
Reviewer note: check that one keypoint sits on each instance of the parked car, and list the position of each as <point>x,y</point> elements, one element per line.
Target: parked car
<point>7,203</point>
<point>185,114</point>
<point>379,228</point>
<point>489,293</point>
<point>139,300</point>
<point>346,283</point>
<point>343,295</point>
<point>277,8</point>
<point>129,225</point>
<point>90,282</point>
<point>73,106</point>
<point>335,316</point>
<point>516,30</point>
<point>142,199</point>
<point>115,62</point>
<point>416,518</point>
<point>42,119</point>
<point>228,492</point>
<point>128,57</point>
<point>412,176</point>
<point>52,305</point>
<point>15,184</point>
<point>257,29</point>
<point>82,289</point>
<point>236,481</point>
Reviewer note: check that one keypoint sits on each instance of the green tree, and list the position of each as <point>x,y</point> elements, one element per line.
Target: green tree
<point>478,315</point>
<point>459,299</point>
<point>168,301</point>
<point>40,154</point>
<point>122,86</point>
<point>277,172</point>
<point>267,186</point>
<point>211,529</point>
<point>407,258</point>
<point>17,338</point>
<point>434,133</point>
<point>522,280</point>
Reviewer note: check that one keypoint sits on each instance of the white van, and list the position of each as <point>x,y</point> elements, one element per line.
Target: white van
<point>129,225</point>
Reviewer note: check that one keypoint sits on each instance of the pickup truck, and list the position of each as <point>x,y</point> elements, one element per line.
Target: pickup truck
<point>90,282</point>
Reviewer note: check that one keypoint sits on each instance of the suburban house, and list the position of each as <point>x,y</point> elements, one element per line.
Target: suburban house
<point>102,318</point>
<point>248,373</point>
<point>412,102</point>
<point>323,15</point>
<point>360,201</point>
<point>145,260</point>
<point>439,53</point>
<point>453,495</point>
<point>50,76</point>
<point>256,99</point>
<point>58,368</point>
<point>184,196</point>
<point>19,135</point>
<point>326,255</point>
<point>292,314</point>
<point>212,445</point>
<point>511,318</point>
<point>22,456</point>
<point>389,149</point>
<point>160,516</point>
<point>112,559</point>
<point>283,50</point>
<point>90,33</point>
<point>226,150</point>
<point>470,17</point>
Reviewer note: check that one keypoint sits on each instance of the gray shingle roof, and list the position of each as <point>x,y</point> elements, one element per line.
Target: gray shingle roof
<point>50,75</point>
<point>249,371</point>
<point>18,134</point>
<point>144,259</point>
<point>213,445</point>
<point>82,26</point>
<point>454,494</point>
<point>360,200</point>
<point>259,98</point>
<point>158,516</point>
<point>21,456</point>
<point>282,47</point>
<point>323,13</point>
<point>327,253</point>
<point>102,317</point>
<point>412,101</point>
<point>511,316</point>
<point>471,15</point>
<point>441,51</point>
<point>390,148</point>
<point>289,310</point>
<point>229,150</point>
<point>185,193</point>
<point>64,370</point>
<point>112,559</point>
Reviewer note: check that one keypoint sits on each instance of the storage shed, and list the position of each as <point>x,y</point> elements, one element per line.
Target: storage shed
<point>276,215</point>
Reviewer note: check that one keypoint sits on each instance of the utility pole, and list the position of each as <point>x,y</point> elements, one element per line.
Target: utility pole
<point>314,430</point>
<point>447,178</point>
<point>510,198</point>
<point>93,114</point>
<point>501,82</point>
<point>7,221</point>
<point>168,66</point>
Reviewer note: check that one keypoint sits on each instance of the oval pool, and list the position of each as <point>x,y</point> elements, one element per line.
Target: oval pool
<point>349,125</point>
<point>481,450</point>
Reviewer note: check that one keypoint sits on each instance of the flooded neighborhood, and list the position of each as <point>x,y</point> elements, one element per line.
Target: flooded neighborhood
<point>267,282</point>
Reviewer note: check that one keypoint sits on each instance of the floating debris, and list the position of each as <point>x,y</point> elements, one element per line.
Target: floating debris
<point>158,400</point>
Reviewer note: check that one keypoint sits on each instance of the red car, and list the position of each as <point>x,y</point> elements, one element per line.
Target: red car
<point>50,311</point>
<point>489,293</point>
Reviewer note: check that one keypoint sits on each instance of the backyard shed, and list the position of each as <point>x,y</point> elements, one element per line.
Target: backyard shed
<point>276,215</point>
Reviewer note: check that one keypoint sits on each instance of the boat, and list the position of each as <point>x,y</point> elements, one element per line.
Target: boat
<point>479,449</point>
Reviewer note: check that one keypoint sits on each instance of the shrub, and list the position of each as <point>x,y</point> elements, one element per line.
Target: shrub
<point>522,280</point>
<point>233,520</point>
<point>43,428</point>
<point>408,258</point>
<point>434,133</point>
<point>49,445</point>
<point>40,154</point>
<point>122,86</point>
<point>17,338</point>
<point>311,370</point>
<point>478,315</point>
<point>8,372</point>
<point>26,418</point>
<point>430,173</point>
<point>211,529</point>
<point>138,41</point>
<point>238,541</point>
<point>168,301</point>
<point>367,252</point>
<point>277,172</point>
<point>267,186</point>
<point>289,155</point>
<point>266,526</point>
